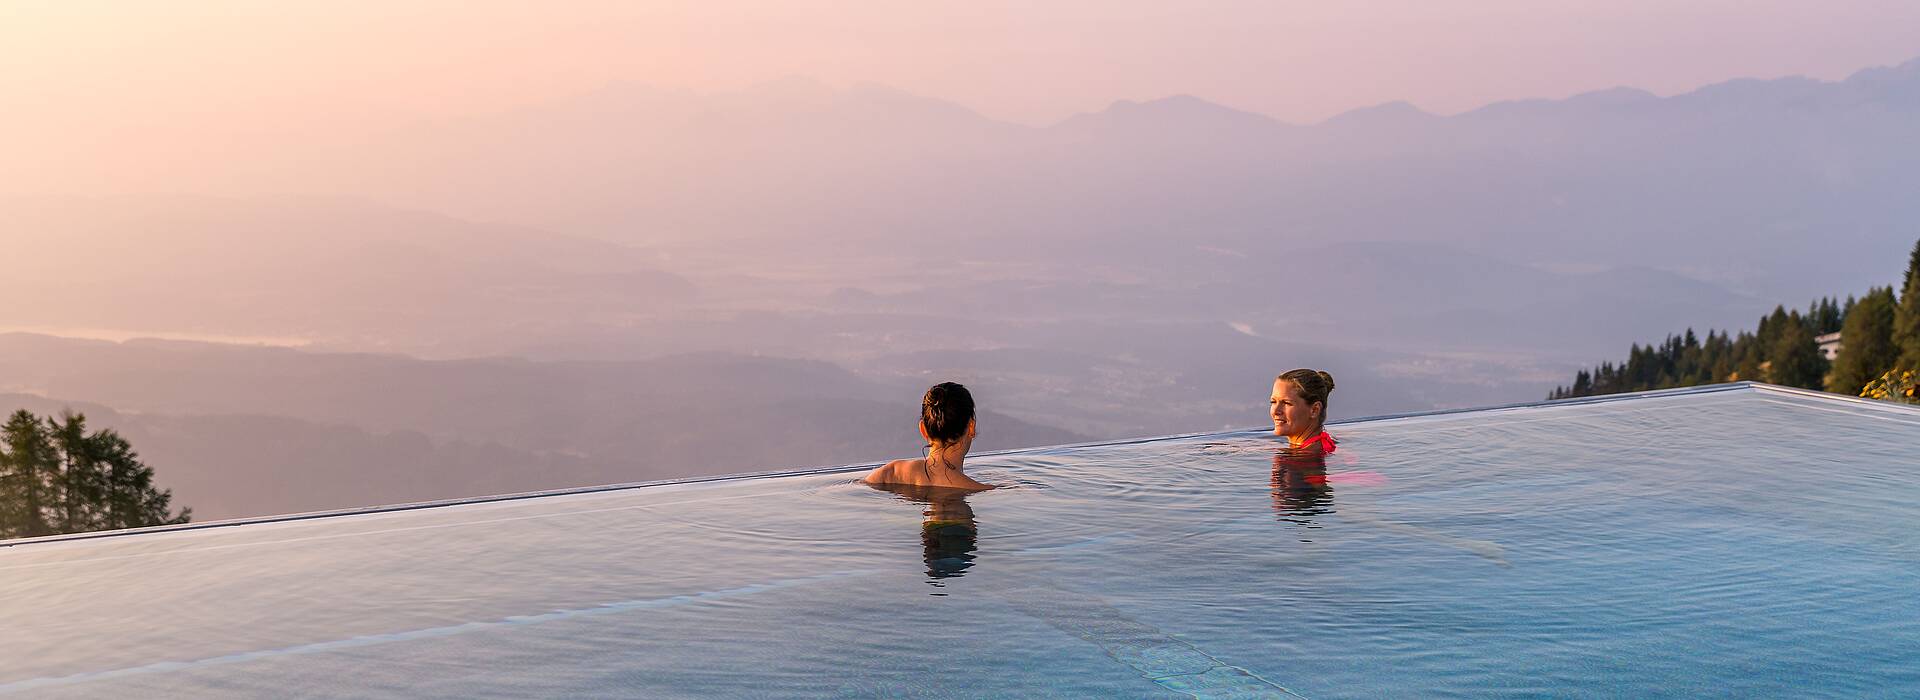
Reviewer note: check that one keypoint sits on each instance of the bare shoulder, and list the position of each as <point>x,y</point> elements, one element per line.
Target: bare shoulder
<point>893,472</point>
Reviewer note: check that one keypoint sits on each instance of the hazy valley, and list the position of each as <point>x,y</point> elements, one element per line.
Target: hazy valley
<point>642,283</point>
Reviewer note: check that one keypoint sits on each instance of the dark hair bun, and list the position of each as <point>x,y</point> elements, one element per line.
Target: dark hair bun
<point>945,411</point>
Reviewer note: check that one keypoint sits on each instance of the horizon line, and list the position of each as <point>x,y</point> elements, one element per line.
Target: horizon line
<point>858,85</point>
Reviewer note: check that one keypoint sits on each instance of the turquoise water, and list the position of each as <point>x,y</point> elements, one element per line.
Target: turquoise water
<point>1744,542</point>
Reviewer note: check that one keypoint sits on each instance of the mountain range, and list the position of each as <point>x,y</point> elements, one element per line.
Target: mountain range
<point>1750,183</point>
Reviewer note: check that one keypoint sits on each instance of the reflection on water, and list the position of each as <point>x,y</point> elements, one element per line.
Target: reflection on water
<point>1300,488</point>
<point>948,536</point>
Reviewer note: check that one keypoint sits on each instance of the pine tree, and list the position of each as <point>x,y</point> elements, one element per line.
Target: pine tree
<point>1796,359</point>
<point>1719,357</point>
<point>55,477</point>
<point>1906,317</point>
<point>1913,267</point>
<point>25,483</point>
<point>1771,328</point>
<point>78,481</point>
<point>1867,347</point>
<point>1829,317</point>
<point>1751,356</point>
<point>129,497</point>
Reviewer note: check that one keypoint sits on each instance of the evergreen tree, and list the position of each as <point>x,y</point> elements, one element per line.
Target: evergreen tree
<point>130,499</point>
<point>1796,359</point>
<point>78,483</point>
<point>1828,318</point>
<point>1771,328</point>
<point>1719,358</point>
<point>1906,317</point>
<point>1913,267</point>
<point>55,478</point>
<point>1867,347</point>
<point>25,467</point>
<point>1748,367</point>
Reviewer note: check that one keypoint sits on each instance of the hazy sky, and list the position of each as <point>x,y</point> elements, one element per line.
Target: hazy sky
<point>242,64</point>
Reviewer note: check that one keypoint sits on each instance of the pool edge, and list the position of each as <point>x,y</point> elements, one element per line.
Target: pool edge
<point>813,471</point>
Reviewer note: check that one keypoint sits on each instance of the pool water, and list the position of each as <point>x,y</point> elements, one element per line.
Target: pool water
<point>1736,541</point>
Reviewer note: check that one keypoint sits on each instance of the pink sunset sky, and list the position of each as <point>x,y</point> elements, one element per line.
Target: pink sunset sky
<point>232,64</point>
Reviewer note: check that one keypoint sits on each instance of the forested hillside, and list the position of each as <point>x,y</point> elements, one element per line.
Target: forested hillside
<point>1879,350</point>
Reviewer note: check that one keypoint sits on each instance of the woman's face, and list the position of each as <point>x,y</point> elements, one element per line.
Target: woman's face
<point>1292,415</point>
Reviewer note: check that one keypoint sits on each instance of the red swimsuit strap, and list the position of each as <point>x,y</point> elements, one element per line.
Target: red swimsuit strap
<point>1325,441</point>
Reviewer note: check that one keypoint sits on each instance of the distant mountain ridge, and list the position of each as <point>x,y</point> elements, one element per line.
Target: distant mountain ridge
<point>1690,182</point>
<point>1178,112</point>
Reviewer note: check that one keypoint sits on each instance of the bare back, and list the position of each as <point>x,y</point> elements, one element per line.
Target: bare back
<point>916,472</point>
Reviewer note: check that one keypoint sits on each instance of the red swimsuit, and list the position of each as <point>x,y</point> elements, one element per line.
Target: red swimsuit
<point>1322,439</point>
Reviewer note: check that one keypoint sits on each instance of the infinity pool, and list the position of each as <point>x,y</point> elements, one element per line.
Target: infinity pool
<point>1739,540</point>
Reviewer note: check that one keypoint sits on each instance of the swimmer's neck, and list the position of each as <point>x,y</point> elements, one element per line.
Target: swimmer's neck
<point>950,461</point>
<point>948,458</point>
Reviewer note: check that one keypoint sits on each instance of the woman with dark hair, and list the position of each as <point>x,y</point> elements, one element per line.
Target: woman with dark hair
<point>1299,408</point>
<point>946,422</point>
